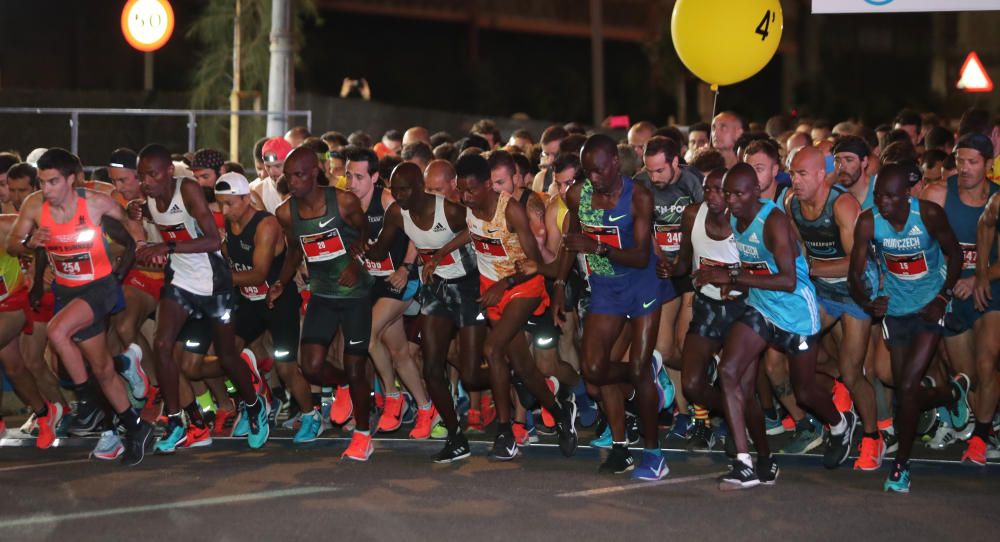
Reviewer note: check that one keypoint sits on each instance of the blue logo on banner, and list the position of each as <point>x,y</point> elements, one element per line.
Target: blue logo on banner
<point>878,2</point>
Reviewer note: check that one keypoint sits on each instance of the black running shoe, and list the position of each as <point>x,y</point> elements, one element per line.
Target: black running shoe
<point>566,427</point>
<point>632,430</point>
<point>838,447</point>
<point>740,476</point>
<point>137,442</point>
<point>504,447</point>
<point>701,437</point>
<point>455,448</point>
<point>767,471</point>
<point>619,461</point>
<point>88,420</point>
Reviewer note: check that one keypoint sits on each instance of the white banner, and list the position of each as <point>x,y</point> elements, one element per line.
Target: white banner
<point>887,6</point>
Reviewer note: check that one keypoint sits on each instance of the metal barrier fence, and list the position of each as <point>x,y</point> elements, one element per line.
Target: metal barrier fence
<point>75,113</point>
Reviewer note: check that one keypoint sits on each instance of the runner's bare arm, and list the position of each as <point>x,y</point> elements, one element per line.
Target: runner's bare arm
<point>939,228</point>
<point>683,264</point>
<point>24,226</point>
<point>264,241</point>
<point>845,213</point>
<point>986,239</point>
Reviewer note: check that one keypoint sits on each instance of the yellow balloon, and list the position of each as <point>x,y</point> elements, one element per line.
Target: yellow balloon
<point>726,41</point>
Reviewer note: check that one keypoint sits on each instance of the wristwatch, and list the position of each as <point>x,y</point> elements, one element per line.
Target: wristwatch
<point>734,273</point>
<point>24,242</point>
<point>171,247</point>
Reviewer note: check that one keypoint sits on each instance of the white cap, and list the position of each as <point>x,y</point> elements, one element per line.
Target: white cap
<point>232,184</point>
<point>34,155</point>
<point>182,171</point>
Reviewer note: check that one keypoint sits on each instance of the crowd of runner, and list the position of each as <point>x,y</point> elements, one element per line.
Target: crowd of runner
<point>724,282</point>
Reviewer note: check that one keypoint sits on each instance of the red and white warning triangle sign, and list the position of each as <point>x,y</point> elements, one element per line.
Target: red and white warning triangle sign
<point>973,77</point>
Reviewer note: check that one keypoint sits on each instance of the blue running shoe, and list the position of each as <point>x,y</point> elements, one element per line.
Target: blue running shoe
<point>587,411</point>
<point>682,426</point>
<point>603,441</point>
<point>259,428</point>
<point>242,426</point>
<point>167,444</point>
<point>409,414</point>
<point>651,467</point>
<point>960,410</point>
<point>660,390</point>
<point>312,426</point>
<point>773,426</point>
<point>462,404</point>
<point>668,387</point>
<point>898,481</point>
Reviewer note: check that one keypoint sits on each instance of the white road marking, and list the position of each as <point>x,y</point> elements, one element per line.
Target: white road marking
<point>46,464</point>
<point>41,519</point>
<point>637,485</point>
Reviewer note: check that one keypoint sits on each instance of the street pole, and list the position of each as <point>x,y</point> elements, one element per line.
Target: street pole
<point>280,73</point>
<point>234,97</point>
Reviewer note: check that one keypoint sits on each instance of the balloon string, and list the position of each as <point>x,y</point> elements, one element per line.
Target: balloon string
<point>715,102</point>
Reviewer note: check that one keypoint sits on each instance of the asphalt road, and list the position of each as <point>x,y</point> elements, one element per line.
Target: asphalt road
<point>285,492</point>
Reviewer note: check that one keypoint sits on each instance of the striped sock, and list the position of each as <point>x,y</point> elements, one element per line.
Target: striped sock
<point>701,413</point>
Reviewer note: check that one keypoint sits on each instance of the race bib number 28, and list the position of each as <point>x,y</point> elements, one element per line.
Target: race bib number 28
<point>320,247</point>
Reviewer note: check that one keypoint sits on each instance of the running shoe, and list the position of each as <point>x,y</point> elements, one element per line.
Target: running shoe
<point>259,429</point>
<point>890,440</point>
<point>426,420</point>
<point>975,451</point>
<point>311,428</point>
<point>89,419</point>
<point>343,407</point>
<point>361,448</point>
<point>619,461</point>
<point>632,432</point>
<point>587,410</point>
<point>927,421</point>
<point>487,409</point>
<point>47,425</point>
<point>872,453</point>
<point>250,359</point>
<point>767,471</point>
<point>175,438</point>
<point>455,448</point>
<point>959,410</point>
<point>241,427</point>
<point>942,436</point>
<point>553,385</point>
<point>135,377</point>
<point>474,421</point>
<point>520,434</point>
<point>898,481</point>
<point>806,438</point>
<point>136,443</point>
<point>838,447</point>
<point>504,447</point>
<point>774,426</point>
<point>30,426</point>
<point>409,412</point>
<point>224,420</point>
<point>3,427</point>
<point>740,476</point>
<point>993,447</point>
<point>439,431</point>
<point>661,394</point>
<point>294,422</point>
<point>153,408</point>
<point>842,397</point>
<point>529,424</point>
<point>682,426</point>
<point>390,420</point>
<point>701,437</point>
<point>109,446</point>
<point>788,423</point>
<point>603,441</point>
<point>566,427</point>
<point>651,467</point>
<point>669,393</point>
<point>197,437</point>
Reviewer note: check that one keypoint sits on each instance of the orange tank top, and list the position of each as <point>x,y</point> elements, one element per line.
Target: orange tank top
<point>77,249</point>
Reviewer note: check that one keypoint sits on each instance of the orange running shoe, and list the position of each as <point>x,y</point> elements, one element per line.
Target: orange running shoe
<point>872,452</point>
<point>788,423</point>
<point>47,426</point>
<point>360,449</point>
<point>521,437</point>
<point>426,418</point>
<point>197,437</point>
<point>547,418</point>
<point>475,421</point>
<point>389,420</point>
<point>841,397</point>
<point>342,408</point>
<point>224,420</point>
<point>250,359</point>
<point>975,452</point>
<point>486,407</point>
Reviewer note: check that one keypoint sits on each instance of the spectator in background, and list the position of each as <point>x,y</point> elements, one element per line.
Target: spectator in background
<point>939,138</point>
<point>628,160</point>
<point>336,164</point>
<point>415,134</point>
<point>821,130</point>
<point>385,166</point>
<point>727,127</point>
<point>418,152</point>
<point>233,167</point>
<point>521,139</point>
<point>698,138</point>
<point>447,152</point>
<point>845,128</point>
<point>440,138</point>
<point>706,159</point>
<point>575,128</point>
<point>639,134</point>
<point>933,167</point>
<point>360,138</point>
<point>392,143</point>
<point>297,135</point>
<point>335,141</point>
<point>487,129</point>
<point>908,121</point>
<point>258,159</point>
